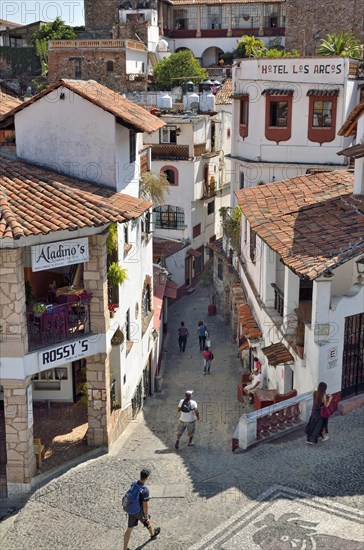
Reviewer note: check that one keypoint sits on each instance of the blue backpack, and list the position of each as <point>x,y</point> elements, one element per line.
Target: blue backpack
<point>130,501</point>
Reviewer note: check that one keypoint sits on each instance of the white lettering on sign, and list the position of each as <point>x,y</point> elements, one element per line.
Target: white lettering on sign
<point>319,68</point>
<point>62,354</point>
<point>47,256</point>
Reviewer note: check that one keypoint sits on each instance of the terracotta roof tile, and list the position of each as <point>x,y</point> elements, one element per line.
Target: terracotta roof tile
<point>313,222</point>
<point>7,102</point>
<point>248,326</point>
<point>216,246</point>
<point>165,248</point>
<point>350,124</point>
<point>277,354</point>
<point>36,201</point>
<point>223,96</point>
<point>124,110</point>
<point>208,2</point>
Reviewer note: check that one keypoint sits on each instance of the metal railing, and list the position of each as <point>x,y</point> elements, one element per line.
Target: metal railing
<point>58,323</point>
<point>278,299</point>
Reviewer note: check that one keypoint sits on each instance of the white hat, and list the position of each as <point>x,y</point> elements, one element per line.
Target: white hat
<point>189,392</point>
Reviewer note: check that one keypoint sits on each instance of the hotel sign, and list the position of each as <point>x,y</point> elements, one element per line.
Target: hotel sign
<point>63,353</point>
<point>51,255</point>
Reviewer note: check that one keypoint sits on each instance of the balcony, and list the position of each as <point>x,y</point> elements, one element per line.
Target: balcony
<point>199,149</point>
<point>137,77</point>
<point>58,323</point>
<point>170,151</point>
<point>85,44</point>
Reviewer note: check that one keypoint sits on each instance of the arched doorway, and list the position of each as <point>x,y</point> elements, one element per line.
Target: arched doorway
<point>211,56</point>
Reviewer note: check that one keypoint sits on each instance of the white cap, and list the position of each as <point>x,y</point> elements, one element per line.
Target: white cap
<point>189,392</point>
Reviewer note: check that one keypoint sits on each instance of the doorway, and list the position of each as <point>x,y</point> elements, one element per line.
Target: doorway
<point>353,356</point>
<point>78,378</point>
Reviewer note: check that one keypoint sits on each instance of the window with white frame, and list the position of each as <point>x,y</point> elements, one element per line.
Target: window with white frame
<point>168,134</point>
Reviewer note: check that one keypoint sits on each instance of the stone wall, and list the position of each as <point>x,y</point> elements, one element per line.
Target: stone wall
<point>13,336</point>
<point>21,461</point>
<point>98,400</point>
<point>101,14</point>
<point>317,16</point>
<point>61,64</point>
<point>95,280</point>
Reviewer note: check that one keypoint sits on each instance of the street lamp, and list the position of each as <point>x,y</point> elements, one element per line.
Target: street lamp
<point>360,265</point>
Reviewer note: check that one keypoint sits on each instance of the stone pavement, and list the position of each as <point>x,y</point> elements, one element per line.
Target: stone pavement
<point>281,495</point>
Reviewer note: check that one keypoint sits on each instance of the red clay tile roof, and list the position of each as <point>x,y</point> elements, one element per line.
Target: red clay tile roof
<point>165,248</point>
<point>277,354</point>
<point>350,124</point>
<point>216,246</point>
<point>313,222</point>
<point>218,2</point>
<point>7,102</point>
<point>223,96</point>
<point>36,201</point>
<point>124,110</point>
<point>248,326</point>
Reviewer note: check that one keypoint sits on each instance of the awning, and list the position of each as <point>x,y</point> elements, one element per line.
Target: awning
<point>193,252</point>
<point>277,354</point>
<point>277,91</point>
<point>170,289</point>
<point>323,92</point>
<point>356,151</point>
<point>248,325</point>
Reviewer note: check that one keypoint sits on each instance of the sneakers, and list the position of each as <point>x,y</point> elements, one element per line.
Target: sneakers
<point>324,437</point>
<point>157,530</point>
<point>191,444</point>
<point>176,445</point>
<point>251,400</point>
<point>309,443</point>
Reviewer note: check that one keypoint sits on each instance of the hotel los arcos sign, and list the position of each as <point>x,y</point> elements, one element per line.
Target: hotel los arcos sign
<point>60,253</point>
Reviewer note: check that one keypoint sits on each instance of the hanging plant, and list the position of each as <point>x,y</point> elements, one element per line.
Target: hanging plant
<point>116,275</point>
<point>112,239</point>
<point>118,338</point>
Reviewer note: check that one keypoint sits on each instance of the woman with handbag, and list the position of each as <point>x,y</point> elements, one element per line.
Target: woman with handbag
<point>318,423</point>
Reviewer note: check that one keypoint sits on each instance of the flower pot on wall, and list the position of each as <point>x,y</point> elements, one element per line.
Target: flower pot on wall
<point>211,310</point>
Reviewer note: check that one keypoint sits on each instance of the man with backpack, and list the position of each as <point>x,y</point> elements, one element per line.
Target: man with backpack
<point>135,503</point>
<point>183,334</point>
<point>189,414</point>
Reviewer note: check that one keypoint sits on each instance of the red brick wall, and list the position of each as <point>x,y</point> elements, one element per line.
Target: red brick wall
<point>320,15</point>
<point>100,14</point>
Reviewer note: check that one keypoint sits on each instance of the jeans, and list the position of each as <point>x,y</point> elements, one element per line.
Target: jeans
<point>207,365</point>
<point>182,341</point>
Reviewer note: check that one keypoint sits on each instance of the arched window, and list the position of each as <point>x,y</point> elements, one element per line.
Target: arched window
<point>109,66</point>
<point>171,174</point>
<point>169,217</point>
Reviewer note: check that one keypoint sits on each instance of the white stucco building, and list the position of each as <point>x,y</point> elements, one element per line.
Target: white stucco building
<point>56,292</point>
<point>286,115</point>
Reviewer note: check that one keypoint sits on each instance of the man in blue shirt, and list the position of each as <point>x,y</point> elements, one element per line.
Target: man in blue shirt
<point>142,515</point>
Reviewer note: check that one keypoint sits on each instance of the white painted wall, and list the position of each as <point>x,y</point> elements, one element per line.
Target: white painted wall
<point>136,61</point>
<point>127,175</point>
<point>64,394</point>
<point>70,135</point>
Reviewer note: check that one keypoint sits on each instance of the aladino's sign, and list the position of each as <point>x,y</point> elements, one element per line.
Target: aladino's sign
<point>64,353</point>
<point>47,256</point>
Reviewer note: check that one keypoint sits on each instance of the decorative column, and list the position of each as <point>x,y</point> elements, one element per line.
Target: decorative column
<point>198,22</point>
<point>261,20</point>
<point>18,412</point>
<point>95,280</point>
<point>98,400</point>
<point>12,304</point>
<point>229,9</point>
<point>160,18</point>
<point>291,299</point>
<point>269,275</point>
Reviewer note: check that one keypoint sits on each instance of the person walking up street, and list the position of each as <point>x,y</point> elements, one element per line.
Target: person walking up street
<point>189,415</point>
<point>141,515</point>
<point>183,334</point>
<point>207,358</point>
<point>201,333</point>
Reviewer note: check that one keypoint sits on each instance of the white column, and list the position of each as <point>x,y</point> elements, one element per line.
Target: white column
<point>228,7</point>
<point>261,20</point>
<point>291,299</point>
<point>321,297</point>
<point>198,22</point>
<point>269,275</point>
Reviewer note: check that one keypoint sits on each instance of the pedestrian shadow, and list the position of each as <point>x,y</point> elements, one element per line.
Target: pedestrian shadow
<point>144,544</point>
<point>165,452</point>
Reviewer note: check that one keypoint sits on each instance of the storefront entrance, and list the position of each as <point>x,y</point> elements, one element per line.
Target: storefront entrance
<point>78,378</point>
<point>353,356</point>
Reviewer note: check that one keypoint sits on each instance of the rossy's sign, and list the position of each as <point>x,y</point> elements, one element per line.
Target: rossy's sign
<point>50,255</point>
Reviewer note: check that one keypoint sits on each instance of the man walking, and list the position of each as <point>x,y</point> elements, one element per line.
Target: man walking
<point>142,514</point>
<point>183,334</point>
<point>189,414</point>
<point>201,333</point>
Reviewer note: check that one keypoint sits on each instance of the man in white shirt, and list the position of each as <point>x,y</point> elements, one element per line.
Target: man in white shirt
<point>189,414</point>
<point>256,383</point>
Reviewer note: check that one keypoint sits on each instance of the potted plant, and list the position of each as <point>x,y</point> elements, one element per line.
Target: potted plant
<point>39,309</point>
<point>112,309</point>
<point>116,275</point>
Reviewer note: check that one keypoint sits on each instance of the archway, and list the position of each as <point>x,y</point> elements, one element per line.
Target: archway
<point>211,56</point>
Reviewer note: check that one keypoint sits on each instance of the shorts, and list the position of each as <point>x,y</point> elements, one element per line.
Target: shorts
<point>249,387</point>
<point>134,518</point>
<point>189,425</point>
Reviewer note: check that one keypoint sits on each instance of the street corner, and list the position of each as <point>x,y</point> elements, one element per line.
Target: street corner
<point>284,518</point>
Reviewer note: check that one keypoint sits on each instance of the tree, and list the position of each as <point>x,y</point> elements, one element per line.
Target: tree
<point>55,30</point>
<point>253,46</point>
<point>176,69</point>
<point>340,44</point>
<point>153,187</point>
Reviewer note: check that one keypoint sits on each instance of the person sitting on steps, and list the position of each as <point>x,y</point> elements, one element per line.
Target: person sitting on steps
<point>256,383</point>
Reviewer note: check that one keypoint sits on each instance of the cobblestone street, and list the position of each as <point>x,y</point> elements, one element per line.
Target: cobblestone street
<point>204,497</point>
